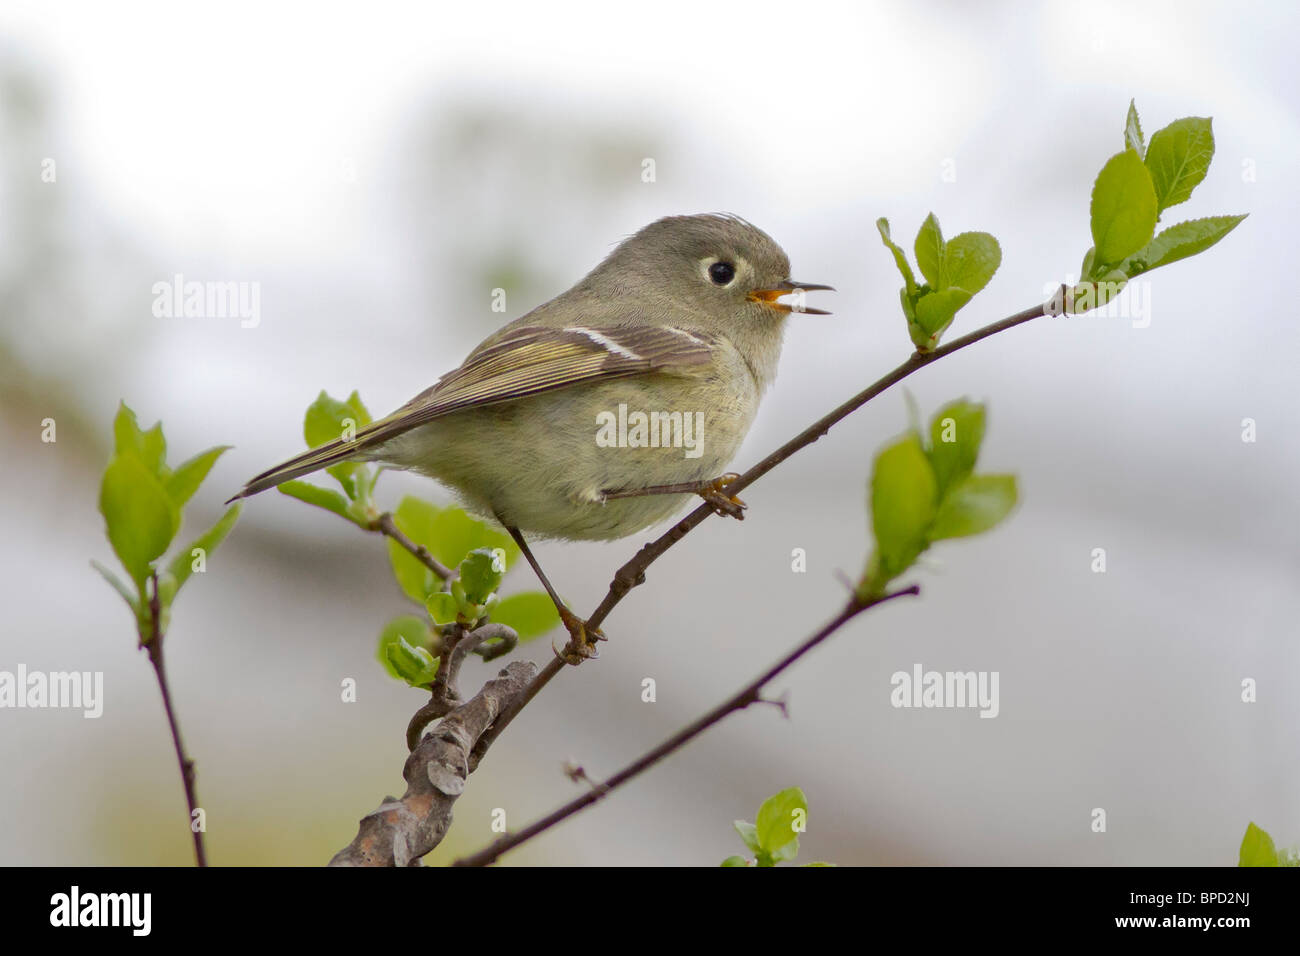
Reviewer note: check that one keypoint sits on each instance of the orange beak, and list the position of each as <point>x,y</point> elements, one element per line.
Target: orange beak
<point>769,297</point>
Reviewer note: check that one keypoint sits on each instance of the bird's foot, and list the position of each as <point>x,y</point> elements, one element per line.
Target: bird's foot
<point>714,493</point>
<point>582,639</point>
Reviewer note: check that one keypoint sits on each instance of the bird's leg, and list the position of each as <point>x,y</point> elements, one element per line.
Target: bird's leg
<point>711,490</point>
<point>582,643</point>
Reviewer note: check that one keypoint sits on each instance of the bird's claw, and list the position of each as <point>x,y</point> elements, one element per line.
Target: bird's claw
<point>714,493</point>
<point>582,641</point>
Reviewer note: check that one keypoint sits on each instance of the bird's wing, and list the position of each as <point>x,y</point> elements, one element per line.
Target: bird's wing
<point>533,359</point>
<point>525,361</point>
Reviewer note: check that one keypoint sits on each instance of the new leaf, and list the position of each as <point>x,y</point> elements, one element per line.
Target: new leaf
<point>1124,210</point>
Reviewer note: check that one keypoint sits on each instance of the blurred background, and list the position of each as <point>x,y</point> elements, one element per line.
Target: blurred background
<point>379,169</point>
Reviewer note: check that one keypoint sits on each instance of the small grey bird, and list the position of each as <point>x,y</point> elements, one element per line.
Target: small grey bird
<point>602,411</point>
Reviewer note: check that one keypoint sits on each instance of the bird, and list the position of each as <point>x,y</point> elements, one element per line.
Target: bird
<point>604,410</point>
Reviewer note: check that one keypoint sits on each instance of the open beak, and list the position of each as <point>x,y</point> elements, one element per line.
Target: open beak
<point>769,296</point>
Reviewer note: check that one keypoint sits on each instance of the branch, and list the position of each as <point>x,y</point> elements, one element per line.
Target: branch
<point>386,526</point>
<point>409,828</point>
<point>457,645</point>
<point>399,832</point>
<point>632,573</point>
<point>749,694</point>
<point>188,774</point>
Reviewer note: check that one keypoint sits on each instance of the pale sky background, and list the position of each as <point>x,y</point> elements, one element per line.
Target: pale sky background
<point>379,168</point>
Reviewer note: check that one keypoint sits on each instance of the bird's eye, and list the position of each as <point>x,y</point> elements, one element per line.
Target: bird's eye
<point>722,272</point>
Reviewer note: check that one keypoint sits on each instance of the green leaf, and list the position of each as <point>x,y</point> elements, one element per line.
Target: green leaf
<point>326,498</point>
<point>1089,257</point>
<point>1133,131</point>
<point>909,311</point>
<point>735,861</point>
<point>127,595</point>
<point>360,414</point>
<point>414,517</point>
<point>969,261</point>
<point>775,824</point>
<point>326,420</point>
<point>352,476</point>
<point>454,534</point>
<point>449,534</point>
<point>1178,158</point>
<point>900,258</point>
<point>821,864</point>
<point>414,630</point>
<point>1257,848</point>
<point>904,496</point>
<point>182,566</point>
<point>149,447</point>
<point>1123,208</point>
<point>530,614</point>
<point>127,438</point>
<point>936,310</point>
<point>481,573</point>
<point>153,450</point>
<point>956,433</point>
<point>787,852</point>
<point>1180,241</point>
<point>329,419</point>
<point>140,517</point>
<point>442,607</point>
<point>749,833</point>
<point>929,252</point>
<point>1096,292</point>
<point>185,480</point>
<point>410,663</point>
<point>468,612</point>
<point>974,506</point>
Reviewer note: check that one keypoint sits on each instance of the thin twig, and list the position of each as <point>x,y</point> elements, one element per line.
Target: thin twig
<point>749,694</point>
<point>632,573</point>
<point>385,525</point>
<point>188,773</point>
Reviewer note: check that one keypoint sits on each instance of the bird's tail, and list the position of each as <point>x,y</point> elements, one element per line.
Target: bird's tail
<point>361,447</point>
<point>322,456</point>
